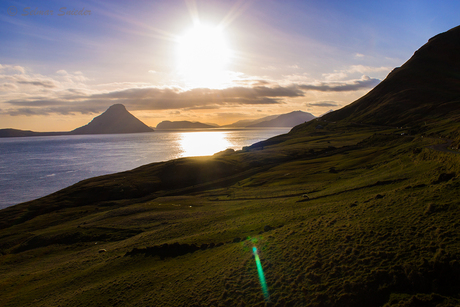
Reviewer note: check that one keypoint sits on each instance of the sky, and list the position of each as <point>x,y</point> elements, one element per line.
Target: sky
<point>64,62</point>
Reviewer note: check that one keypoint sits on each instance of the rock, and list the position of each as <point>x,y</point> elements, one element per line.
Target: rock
<point>444,177</point>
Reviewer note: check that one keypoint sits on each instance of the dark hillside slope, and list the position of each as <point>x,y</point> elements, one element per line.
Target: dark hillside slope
<point>426,87</point>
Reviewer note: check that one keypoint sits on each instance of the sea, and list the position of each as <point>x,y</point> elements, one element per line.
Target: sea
<point>33,167</point>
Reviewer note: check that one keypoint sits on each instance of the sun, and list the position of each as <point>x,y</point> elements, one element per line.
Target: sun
<point>203,56</point>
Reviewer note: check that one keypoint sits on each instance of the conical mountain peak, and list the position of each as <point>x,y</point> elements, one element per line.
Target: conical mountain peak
<point>116,119</point>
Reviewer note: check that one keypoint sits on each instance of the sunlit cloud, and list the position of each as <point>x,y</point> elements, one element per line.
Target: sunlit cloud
<point>352,85</point>
<point>6,87</point>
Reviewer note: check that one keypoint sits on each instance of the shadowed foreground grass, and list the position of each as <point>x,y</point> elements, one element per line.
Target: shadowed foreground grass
<point>346,216</point>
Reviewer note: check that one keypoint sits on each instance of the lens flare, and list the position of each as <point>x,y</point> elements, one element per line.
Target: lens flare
<point>260,271</point>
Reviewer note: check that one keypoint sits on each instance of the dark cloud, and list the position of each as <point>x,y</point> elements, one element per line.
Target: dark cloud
<point>260,83</point>
<point>210,107</point>
<point>322,104</point>
<point>46,84</point>
<point>40,111</point>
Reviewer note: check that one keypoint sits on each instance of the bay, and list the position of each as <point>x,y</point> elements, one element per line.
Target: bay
<point>33,167</point>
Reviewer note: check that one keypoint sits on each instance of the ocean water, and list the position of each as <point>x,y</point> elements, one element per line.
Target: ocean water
<point>32,167</point>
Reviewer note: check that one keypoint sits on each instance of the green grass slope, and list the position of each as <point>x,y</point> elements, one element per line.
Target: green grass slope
<point>345,216</point>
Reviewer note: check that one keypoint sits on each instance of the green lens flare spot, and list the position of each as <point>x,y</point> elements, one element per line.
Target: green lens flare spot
<point>260,271</point>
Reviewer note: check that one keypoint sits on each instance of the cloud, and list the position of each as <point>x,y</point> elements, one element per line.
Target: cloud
<point>75,77</point>
<point>67,93</point>
<point>42,111</point>
<point>368,69</point>
<point>5,87</point>
<point>12,69</point>
<point>25,82</point>
<point>296,78</point>
<point>322,104</point>
<point>353,69</point>
<point>352,85</point>
<point>209,107</point>
<point>47,84</point>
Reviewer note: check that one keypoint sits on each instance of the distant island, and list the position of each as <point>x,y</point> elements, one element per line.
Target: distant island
<point>116,119</point>
<point>170,125</point>
<point>248,122</point>
<point>12,133</point>
<point>286,120</point>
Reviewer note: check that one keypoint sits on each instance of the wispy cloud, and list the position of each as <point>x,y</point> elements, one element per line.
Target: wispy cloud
<point>352,85</point>
<point>344,74</point>
<point>47,84</point>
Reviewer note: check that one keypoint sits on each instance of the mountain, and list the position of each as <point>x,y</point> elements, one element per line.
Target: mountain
<point>286,120</point>
<point>116,119</point>
<point>248,122</point>
<point>426,88</point>
<point>169,125</point>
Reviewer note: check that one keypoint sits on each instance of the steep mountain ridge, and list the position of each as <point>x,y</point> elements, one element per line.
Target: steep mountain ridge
<point>425,88</point>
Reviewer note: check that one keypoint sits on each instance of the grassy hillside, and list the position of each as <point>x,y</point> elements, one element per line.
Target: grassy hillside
<point>347,215</point>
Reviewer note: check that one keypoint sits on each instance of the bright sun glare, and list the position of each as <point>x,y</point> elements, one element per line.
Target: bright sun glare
<point>203,56</point>
<point>203,143</point>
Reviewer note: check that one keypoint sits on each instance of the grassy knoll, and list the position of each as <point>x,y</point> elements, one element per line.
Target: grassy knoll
<point>379,228</point>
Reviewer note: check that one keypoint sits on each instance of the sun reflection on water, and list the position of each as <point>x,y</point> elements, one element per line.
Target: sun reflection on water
<point>203,143</point>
